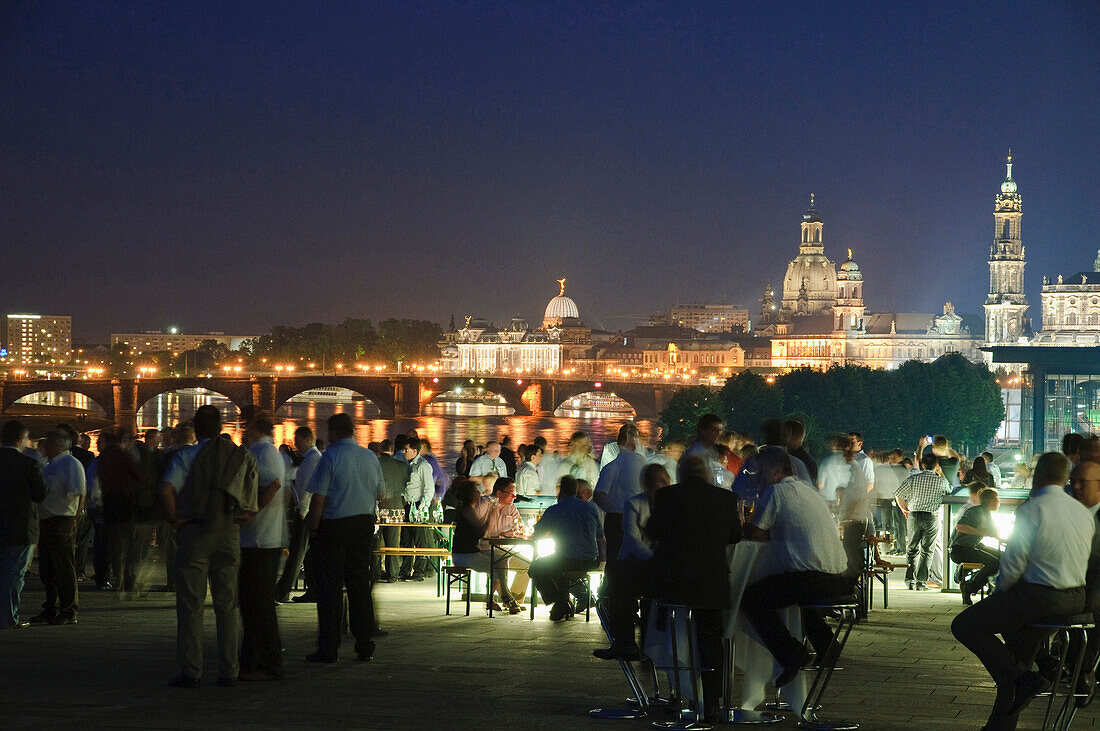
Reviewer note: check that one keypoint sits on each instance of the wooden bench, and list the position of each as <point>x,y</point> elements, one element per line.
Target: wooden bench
<point>441,554</point>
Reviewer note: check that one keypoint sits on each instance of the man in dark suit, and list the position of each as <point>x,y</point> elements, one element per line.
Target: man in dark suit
<point>395,473</point>
<point>692,525</point>
<point>21,486</point>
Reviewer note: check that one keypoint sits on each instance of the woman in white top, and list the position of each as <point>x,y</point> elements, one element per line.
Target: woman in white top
<point>528,482</point>
<point>579,462</point>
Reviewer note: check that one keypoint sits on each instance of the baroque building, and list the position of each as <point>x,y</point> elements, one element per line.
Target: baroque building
<point>822,320</point>
<point>1071,309</point>
<point>1006,304</point>
<point>480,347</point>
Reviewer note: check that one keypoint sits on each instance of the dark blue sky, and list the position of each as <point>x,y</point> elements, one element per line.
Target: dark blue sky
<point>231,168</point>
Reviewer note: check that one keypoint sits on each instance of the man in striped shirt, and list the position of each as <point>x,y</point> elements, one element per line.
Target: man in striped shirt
<point>919,498</point>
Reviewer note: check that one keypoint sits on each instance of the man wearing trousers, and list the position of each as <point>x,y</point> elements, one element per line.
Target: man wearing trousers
<point>21,486</point>
<point>345,491</point>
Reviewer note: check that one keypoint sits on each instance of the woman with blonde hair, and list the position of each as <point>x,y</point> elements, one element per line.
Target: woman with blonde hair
<point>579,462</point>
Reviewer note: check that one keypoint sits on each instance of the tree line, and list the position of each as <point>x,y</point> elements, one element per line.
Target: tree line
<point>891,408</point>
<point>349,342</point>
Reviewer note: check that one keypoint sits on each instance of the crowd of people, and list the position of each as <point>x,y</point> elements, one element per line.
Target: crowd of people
<point>244,520</point>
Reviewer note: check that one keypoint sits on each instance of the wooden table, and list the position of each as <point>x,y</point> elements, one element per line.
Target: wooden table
<point>507,545</point>
<point>445,532</point>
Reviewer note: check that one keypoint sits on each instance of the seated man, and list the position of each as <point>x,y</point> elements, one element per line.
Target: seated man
<point>1043,573</point>
<point>500,517</point>
<point>808,563</point>
<point>966,542</point>
<point>628,578</point>
<point>575,527</point>
<point>692,525</point>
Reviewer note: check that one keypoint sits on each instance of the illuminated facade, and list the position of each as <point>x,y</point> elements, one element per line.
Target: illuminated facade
<point>156,341</point>
<point>1071,309</point>
<point>42,339</point>
<point>480,347</point>
<point>822,320</point>
<point>710,318</point>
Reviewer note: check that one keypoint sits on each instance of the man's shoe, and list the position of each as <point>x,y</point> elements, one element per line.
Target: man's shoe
<point>64,619</point>
<point>629,654</point>
<point>920,587</point>
<point>404,577</point>
<point>305,599</point>
<point>19,625</point>
<point>416,576</point>
<point>559,611</point>
<point>790,672</point>
<point>183,680</point>
<point>43,618</point>
<point>1027,686</point>
<point>365,655</point>
<point>967,593</point>
<point>227,682</point>
<point>909,585</point>
<point>318,657</point>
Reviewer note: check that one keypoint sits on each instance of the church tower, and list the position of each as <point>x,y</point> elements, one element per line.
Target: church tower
<point>848,311</point>
<point>1006,303</point>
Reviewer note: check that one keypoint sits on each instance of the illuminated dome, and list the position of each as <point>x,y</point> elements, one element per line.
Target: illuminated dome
<point>849,269</point>
<point>560,308</point>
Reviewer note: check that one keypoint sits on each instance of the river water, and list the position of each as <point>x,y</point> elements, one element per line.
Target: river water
<point>447,426</point>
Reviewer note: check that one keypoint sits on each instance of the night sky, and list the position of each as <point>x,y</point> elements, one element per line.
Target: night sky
<point>231,168</point>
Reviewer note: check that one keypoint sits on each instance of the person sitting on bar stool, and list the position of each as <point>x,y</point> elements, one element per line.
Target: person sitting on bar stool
<point>808,563</point>
<point>628,578</point>
<point>1052,550</point>
<point>966,542</point>
<point>575,527</point>
<point>692,525</point>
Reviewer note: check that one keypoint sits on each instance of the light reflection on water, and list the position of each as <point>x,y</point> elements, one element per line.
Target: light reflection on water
<point>447,426</point>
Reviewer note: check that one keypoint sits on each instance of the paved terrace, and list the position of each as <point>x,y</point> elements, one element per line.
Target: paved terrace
<point>903,670</point>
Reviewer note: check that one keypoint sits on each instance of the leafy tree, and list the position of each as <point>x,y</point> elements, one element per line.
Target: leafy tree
<point>748,399</point>
<point>679,417</point>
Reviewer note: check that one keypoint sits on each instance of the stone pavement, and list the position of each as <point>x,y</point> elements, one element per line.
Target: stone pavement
<point>902,670</point>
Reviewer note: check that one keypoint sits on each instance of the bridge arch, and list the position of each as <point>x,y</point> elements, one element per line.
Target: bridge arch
<point>99,409</point>
<point>378,391</point>
<point>609,402</point>
<point>238,391</point>
<point>101,393</point>
<point>509,389</point>
<point>644,399</point>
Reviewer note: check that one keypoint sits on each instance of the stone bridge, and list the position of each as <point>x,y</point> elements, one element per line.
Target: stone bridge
<point>393,395</point>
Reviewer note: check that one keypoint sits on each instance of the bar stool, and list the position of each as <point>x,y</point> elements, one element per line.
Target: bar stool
<point>640,702</point>
<point>848,606</point>
<point>580,581</point>
<point>1068,627</point>
<point>461,576</point>
<point>969,568</point>
<point>679,617</point>
<point>740,716</point>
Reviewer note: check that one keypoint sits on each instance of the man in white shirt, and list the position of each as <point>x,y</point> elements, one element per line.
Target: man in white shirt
<point>489,463</point>
<point>619,481</point>
<point>262,543</point>
<point>57,513</point>
<point>856,519</point>
<point>548,467</point>
<point>419,491</point>
<point>834,472</point>
<point>993,468</point>
<point>1044,572</point>
<point>305,444</point>
<point>806,562</point>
